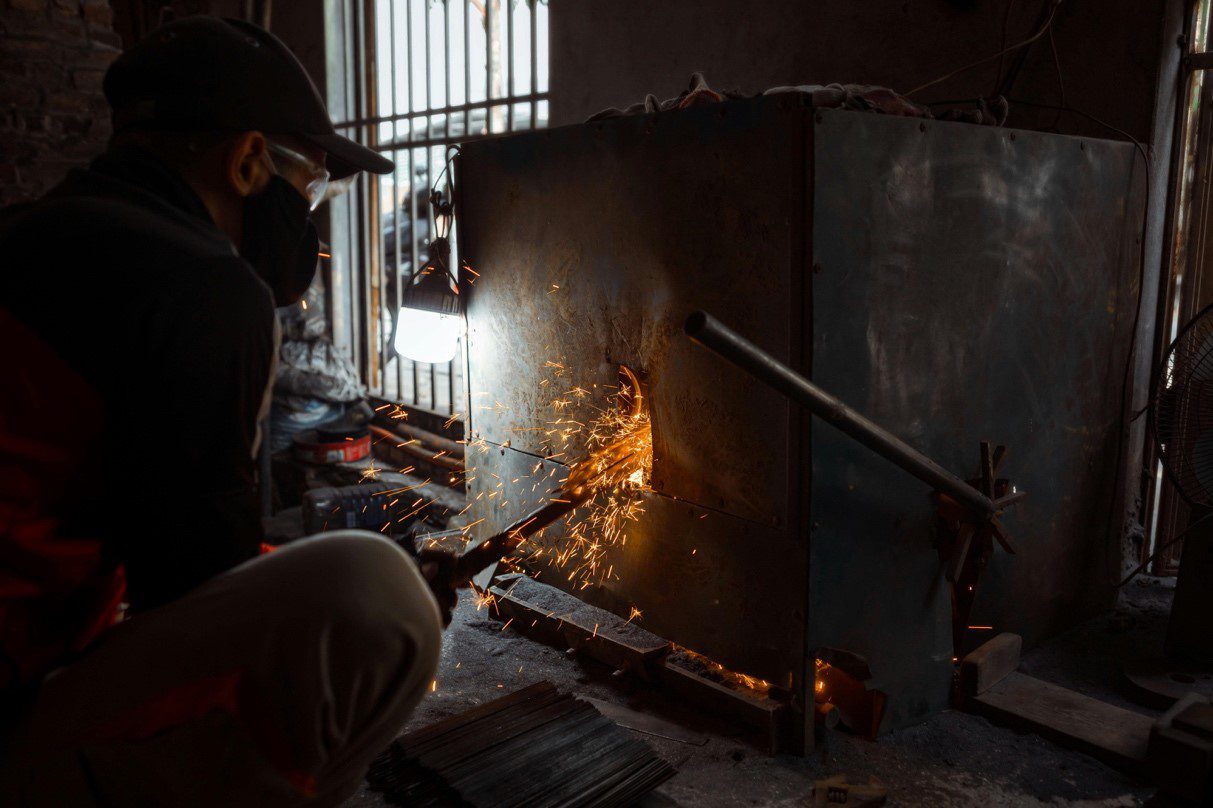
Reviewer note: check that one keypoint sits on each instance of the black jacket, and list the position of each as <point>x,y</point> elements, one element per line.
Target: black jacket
<point>121,271</point>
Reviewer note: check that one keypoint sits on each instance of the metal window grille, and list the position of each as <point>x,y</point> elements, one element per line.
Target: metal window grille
<point>408,78</point>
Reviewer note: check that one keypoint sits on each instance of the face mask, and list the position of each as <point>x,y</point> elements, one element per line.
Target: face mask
<point>280,240</point>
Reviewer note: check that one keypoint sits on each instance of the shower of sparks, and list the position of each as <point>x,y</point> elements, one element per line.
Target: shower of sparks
<point>616,446</point>
<point>485,600</point>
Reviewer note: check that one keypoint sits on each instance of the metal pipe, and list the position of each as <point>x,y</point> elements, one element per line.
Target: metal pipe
<point>521,98</point>
<point>572,495</point>
<point>467,68</point>
<point>488,66</point>
<point>534,37</point>
<point>500,545</point>
<point>710,333</point>
<point>509,60</point>
<point>397,282</point>
<point>446,58</point>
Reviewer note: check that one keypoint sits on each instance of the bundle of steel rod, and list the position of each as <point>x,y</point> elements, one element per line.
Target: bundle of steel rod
<point>535,747</point>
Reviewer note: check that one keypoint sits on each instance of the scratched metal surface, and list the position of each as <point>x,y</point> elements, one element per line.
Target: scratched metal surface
<point>974,284</point>
<point>970,287</point>
<point>592,244</point>
<point>690,570</point>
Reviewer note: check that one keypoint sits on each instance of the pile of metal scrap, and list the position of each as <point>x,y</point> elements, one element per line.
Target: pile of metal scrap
<point>535,747</point>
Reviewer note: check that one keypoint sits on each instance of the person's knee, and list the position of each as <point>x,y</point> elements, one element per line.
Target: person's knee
<point>368,590</point>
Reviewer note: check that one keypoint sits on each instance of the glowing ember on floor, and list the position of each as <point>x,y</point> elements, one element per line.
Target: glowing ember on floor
<point>717,671</point>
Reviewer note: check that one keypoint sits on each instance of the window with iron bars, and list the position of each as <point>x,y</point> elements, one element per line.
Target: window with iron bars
<point>409,78</point>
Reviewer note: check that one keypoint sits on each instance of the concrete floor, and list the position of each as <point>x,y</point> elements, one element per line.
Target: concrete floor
<point>954,759</point>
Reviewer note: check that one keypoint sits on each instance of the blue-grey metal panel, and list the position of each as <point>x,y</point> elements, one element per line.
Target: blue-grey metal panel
<point>972,284</point>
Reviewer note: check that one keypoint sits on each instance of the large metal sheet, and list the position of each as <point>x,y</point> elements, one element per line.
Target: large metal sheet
<point>592,243</point>
<point>974,284</point>
<point>968,284</point>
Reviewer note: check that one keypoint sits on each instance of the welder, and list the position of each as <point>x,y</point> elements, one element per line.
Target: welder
<point>150,651</point>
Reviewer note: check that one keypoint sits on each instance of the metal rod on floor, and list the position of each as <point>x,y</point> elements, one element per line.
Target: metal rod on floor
<point>710,333</point>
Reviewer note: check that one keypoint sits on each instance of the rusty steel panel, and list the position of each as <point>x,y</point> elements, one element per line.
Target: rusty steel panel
<point>974,284</point>
<point>592,243</point>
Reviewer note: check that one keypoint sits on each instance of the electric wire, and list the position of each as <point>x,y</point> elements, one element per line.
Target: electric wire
<point>1006,21</point>
<point>1061,83</point>
<point>1177,537</point>
<point>1039,33</point>
<point>1021,58</point>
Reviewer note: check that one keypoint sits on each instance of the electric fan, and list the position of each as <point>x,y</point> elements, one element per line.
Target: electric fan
<point>1183,411</point>
<point>1182,408</point>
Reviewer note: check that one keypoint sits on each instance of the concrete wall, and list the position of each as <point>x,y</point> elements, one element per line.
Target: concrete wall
<point>611,52</point>
<point>53,54</point>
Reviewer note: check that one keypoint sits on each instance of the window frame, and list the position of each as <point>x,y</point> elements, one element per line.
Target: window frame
<point>362,289</point>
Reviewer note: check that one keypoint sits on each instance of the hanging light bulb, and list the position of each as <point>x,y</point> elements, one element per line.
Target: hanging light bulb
<point>430,321</point>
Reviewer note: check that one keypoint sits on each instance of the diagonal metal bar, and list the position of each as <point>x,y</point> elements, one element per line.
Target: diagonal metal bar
<point>712,334</point>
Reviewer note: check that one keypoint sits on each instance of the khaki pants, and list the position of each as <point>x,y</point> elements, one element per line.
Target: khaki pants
<point>275,683</point>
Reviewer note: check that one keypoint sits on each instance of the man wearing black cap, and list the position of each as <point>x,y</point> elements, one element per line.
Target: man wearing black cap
<point>136,315</point>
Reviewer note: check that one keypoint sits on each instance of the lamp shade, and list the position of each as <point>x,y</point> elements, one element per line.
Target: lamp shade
<point>427,336</point>
<point>430,321</point>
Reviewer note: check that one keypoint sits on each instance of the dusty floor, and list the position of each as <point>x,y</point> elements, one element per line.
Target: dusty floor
<point>954,759</point>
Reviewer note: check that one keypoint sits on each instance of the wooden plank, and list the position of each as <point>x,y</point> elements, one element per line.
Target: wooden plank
<point>553,615</point>
<point>1181,750</point>
<point>763,713</point>
<point>1112,734</point>
<point>557,615</point>
<point>1196,719</point>
<point>989,664</point>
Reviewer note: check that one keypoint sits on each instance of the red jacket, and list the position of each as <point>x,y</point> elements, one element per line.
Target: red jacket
<point>135,352</point>
<point>57,591</point>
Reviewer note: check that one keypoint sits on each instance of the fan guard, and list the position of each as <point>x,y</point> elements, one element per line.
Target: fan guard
<point>1183,410</point>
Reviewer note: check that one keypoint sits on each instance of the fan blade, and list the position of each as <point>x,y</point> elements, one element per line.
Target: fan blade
<point>1000,454</point>
<point>1010,499</point>
<point>956,563</point>
<point>1001,535</point>
<point>987,470</point>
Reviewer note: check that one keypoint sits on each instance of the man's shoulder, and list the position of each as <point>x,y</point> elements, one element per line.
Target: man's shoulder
<point>99,224</point>
<point>230,285</point>
<point>122,255</point>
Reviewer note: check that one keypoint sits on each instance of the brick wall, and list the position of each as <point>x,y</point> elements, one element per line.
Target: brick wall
<point>53,116</point>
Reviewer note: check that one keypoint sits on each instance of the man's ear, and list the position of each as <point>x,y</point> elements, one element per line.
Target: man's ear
<point>245,168</point>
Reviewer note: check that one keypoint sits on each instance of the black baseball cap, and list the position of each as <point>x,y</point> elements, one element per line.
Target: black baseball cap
<point>208,73</point>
